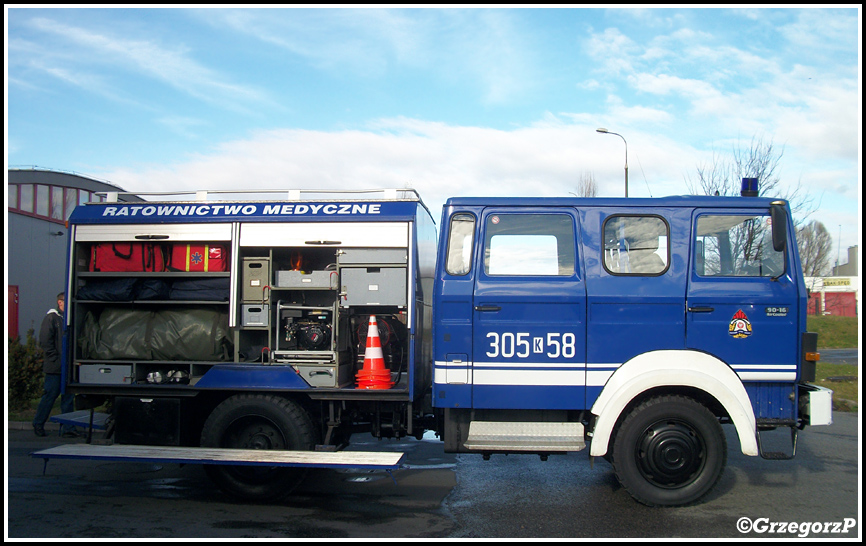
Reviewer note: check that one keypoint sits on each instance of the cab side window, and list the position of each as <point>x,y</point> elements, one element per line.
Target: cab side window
<point>736,246</point>
<point>529,245</point>
<point>636,245</point>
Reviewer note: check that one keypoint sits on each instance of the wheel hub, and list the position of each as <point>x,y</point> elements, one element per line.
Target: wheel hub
<point>257,435</point>
<point>670,454</point>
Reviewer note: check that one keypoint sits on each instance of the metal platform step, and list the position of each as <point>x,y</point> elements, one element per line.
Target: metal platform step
<point>203,455</point>
<point>82,418</point>
<point>532,437</point>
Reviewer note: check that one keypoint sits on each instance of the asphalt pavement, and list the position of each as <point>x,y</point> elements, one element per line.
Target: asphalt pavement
<point>840,356</point>
<point>441,496</point>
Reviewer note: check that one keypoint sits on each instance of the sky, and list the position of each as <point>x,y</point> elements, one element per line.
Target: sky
<point>450,102</point>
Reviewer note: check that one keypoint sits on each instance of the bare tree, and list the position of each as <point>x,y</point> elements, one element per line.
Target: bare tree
<point>587,186</point>
<point>816,246</point>
<point>723,176</point>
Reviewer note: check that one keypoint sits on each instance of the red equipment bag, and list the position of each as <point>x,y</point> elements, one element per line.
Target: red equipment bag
<point>127,257</point>
<point>198,257</point>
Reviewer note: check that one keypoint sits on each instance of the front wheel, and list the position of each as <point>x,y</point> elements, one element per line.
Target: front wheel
<point>254,421</point>
<point>669,451</point>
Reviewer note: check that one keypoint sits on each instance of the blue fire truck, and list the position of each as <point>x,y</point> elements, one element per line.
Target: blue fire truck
<point>236,333</point>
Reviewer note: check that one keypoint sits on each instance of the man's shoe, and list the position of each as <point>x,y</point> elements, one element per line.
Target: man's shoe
<point>71,434</point>
<point>39,431</point>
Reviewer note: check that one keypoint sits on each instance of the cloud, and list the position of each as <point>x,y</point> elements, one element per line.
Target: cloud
<point>174,67</point>
<point>484,48</point>
<point>829,126</point>
<point>545,159</point>
<point>614,52</point>
<point>439,160</point>
<point>823,30</point>
<point>664,84</point>
<point>362,41</point>
<point>696,79</point>
<point>636,115</point>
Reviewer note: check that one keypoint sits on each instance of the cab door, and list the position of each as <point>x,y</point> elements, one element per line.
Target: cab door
<point>742,297</point>
<point>529,311</point>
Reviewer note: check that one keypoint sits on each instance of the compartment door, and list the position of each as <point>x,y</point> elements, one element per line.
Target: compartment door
<point>336,234</point>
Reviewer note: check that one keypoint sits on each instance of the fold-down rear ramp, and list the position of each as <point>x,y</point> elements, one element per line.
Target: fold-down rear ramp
<point>247,457</point>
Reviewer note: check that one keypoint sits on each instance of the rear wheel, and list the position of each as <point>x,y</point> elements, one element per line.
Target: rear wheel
<point>669,451</point>
<point>255,421</point>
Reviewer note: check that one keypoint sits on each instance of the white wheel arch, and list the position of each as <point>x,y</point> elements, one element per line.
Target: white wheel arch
<point>673,369</point>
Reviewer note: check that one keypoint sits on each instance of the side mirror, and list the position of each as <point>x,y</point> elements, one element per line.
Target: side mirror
<point>780,226</point>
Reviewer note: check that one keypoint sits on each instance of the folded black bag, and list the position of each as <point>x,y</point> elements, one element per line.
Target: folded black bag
<point>116,334</point>
<point>122,289</point>
<point>152,289</point>
<point>182,333</point>
<point>215,289</point>
<point>190,334</point>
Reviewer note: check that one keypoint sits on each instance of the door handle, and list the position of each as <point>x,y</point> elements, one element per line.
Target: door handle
<point>488,308</point>
<point>701,309</point>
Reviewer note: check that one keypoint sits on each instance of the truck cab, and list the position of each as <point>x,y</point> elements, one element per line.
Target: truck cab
<point>635,325</point>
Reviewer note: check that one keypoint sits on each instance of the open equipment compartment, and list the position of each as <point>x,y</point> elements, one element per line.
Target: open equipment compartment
<point>134,288</point>
<point>303,304</point>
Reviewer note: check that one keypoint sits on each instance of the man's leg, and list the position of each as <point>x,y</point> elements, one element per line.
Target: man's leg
<point>43,411</point>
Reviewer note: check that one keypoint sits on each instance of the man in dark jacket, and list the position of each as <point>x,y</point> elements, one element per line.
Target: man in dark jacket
<point>51,341</point>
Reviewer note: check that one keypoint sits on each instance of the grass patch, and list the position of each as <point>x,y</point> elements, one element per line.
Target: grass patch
<point>842,379</point>
<point>834,332</point>
<point>29,413</point>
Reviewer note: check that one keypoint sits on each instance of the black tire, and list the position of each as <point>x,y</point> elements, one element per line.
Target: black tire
<point>669,451</point>
<point>256,421</point>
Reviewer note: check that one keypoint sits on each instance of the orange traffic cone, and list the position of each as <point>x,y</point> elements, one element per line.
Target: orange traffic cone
<point>374,375</point>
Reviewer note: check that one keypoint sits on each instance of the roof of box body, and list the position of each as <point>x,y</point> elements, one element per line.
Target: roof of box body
<point>302,206</point>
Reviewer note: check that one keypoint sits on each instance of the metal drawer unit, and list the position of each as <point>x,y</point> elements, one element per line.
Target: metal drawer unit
<point>323,280</point>
<point>105,374</point>
<point>326,376</point>
<point>373,286</point>
<point>256,275</point>
<point>373,276</point>
<point>255,314</point>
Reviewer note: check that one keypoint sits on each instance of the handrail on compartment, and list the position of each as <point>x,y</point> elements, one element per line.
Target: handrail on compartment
<point>387,194</point>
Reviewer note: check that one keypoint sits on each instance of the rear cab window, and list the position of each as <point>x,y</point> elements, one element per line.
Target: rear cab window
<point>636,245</point>
<point>458,260</point>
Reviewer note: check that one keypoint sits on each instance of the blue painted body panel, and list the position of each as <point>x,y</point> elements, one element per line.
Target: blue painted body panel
<point>231,376</point>
<point>773,400</point>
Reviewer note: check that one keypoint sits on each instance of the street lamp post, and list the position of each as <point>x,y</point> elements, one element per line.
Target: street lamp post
<point>605,131</point>
<point>838,251</point>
